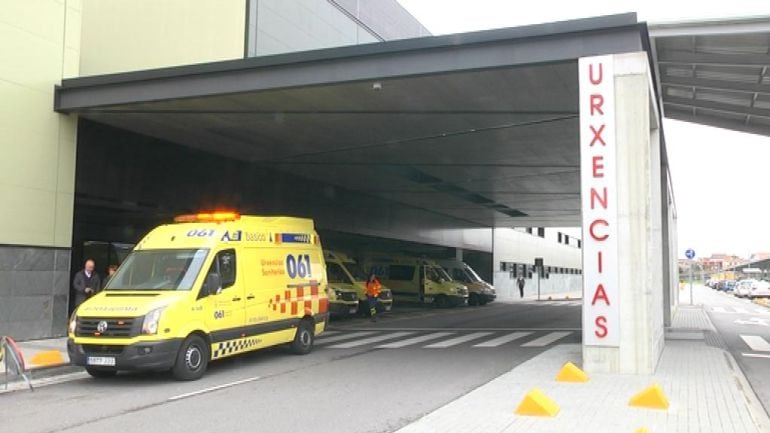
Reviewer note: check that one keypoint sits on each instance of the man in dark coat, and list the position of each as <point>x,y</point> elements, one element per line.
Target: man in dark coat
<point>86,283</point>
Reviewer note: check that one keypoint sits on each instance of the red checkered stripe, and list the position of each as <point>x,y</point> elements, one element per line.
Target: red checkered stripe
<point>300,298</point>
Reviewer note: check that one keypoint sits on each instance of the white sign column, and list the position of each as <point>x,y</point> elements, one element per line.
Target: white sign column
<point>621,215</point>
<point>598,163</point>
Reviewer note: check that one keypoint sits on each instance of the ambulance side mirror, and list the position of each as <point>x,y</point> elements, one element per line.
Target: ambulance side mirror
<point>212,285</point>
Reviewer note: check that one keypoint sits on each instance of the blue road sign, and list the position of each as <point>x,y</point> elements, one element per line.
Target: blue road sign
<point>690,253</point>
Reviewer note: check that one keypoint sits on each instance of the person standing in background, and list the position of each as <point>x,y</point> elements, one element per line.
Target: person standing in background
<point>373,288</point>
<point>86,283</point>
<point>111,269</point>
<point>520,282</point>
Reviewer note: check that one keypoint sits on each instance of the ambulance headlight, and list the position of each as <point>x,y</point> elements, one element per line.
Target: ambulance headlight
<point>338,293</point>
<point>73,322</point>
<point>150,324</point>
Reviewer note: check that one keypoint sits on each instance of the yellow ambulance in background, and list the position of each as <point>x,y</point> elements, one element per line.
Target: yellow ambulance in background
<point>418,279</point>
<point>209,286</point>
<point>345,274</point>
<point>479,291</point>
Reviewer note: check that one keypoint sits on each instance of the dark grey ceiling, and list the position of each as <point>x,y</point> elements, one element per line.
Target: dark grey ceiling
<point>481,127</point>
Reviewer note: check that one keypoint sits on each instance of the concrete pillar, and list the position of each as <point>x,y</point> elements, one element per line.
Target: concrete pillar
<point>667,252</point>
<point>622,216</point>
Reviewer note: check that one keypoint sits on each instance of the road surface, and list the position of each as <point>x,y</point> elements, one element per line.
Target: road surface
<point>745,329</point>
<point>362,377</point>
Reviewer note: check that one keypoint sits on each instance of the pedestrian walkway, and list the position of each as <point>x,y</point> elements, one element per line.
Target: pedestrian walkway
<point>706,389</point>
<point>405,338</point>
<point>690,317</point>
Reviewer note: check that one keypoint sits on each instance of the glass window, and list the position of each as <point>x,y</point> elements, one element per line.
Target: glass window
<point>473,277</point>
<point>442,274</point>
<point>401,273</point>
<point>224,265</point>
<point>459,275</point>
<point>335,273</point>
<point>356,271</point>
<point>159,270</point>
<point>435,273</point>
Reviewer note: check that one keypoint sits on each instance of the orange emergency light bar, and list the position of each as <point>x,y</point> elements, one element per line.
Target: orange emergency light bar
<point>208,217</point>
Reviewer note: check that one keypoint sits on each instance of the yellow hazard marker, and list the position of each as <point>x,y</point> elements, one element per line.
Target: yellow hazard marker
<point>47,358</point>
<point>641,430</point>
<point>535,403</point>
<point>651,397</point>
<point>571,373</point>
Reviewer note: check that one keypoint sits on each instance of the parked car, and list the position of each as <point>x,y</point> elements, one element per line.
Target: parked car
<point>726,286</point>
<point>760,289</point>
<point>743,288</point>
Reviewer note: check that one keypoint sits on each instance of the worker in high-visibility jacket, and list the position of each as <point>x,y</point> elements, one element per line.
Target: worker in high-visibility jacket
<point>373,287</point>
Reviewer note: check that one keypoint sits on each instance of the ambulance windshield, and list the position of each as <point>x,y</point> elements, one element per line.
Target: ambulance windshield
<point>473,277</point>
<point>356,271</point>
<point>159,270</point>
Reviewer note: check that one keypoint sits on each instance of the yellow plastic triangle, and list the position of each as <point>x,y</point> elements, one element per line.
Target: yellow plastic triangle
<point>571,373</point>
<point>535,403</point>
<point>651,397</point>
<point>47,358</point>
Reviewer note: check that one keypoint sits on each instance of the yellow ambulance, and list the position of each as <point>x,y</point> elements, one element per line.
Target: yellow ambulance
<point>345,274</point>
<point>418,279</point>
<point>479,291</point>
<point>209,286</point>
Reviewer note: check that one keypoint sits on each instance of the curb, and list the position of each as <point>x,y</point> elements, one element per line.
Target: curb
<point>758,414</point>
<point>38,369</point>
<point>757,411</point>
<point>43,376</point>
<point>52,370</point>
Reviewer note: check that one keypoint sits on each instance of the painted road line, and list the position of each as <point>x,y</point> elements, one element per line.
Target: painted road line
<point>755,355</point>
<point>499,341</point>
<point>371,340</point>
<point>415,340</point>
<point>756,343</point>
<point>740,310</point>
<point>324,340</point>
<point>213,388</point>
<point>425,329</point>
<point>457,340</point>
<point>546,339</point>
<point>719,309</point>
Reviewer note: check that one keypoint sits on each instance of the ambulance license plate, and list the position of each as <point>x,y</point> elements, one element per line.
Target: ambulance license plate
<point>108,361</point>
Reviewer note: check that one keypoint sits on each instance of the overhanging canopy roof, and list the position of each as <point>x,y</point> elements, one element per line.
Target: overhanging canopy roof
<point>715,72</point>
<point>480,127</point>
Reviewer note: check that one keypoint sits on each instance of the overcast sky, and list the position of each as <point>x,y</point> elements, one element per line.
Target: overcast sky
<point>719,176</point>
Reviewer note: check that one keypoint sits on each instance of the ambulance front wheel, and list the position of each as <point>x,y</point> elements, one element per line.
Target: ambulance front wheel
<point>303,340</point>
<point>192,359</point>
